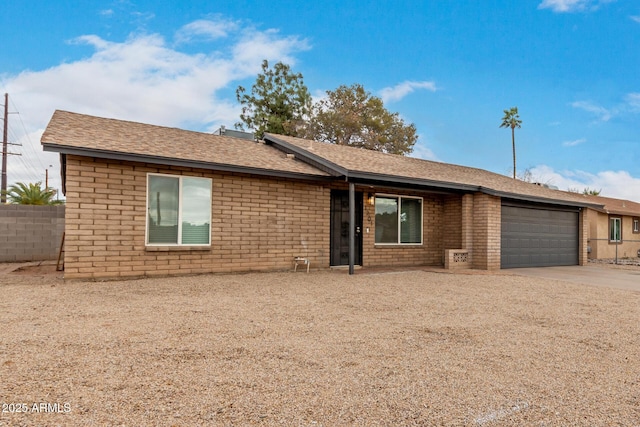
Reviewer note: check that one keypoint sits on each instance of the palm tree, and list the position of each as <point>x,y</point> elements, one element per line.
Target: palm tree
<point>31,194</point>
<point>512,120</point>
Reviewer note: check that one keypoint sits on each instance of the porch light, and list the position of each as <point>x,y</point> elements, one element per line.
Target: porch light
<point>371,199</point>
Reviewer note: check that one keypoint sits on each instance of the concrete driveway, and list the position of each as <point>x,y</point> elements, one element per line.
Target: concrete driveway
<point>597,275</point>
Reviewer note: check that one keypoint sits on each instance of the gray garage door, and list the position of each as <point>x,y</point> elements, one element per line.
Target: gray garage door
<point>535,237</point>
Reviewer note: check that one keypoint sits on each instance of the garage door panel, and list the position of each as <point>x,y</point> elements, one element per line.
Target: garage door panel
<point>535,237</point>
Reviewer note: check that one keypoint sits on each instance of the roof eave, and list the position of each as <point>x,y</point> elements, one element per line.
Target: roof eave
<point>537,199</point>
<point>169,161</point>
<point>452,186</point>
<point>364,177</point>
<point>311,159</point>
<point>621,212</point>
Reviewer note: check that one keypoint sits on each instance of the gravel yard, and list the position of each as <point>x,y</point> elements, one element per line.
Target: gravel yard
<point>397,348</point>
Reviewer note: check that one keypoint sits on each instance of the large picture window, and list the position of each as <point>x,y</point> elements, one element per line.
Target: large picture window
<point>615,229</point>
<point>398,220</point>
<point>178,210</point>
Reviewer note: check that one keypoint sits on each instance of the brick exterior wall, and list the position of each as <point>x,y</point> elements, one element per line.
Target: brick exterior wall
<point>30,233</point>
<point>430,253</point>
<point>486,232</point>
<point>452,222</point>
<point>258,223</point>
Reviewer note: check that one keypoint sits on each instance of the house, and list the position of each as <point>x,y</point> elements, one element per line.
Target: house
<point>146,200</point>
<point>614,229</point>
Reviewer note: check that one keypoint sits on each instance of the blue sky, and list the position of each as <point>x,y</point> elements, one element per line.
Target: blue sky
<point>449,67</point>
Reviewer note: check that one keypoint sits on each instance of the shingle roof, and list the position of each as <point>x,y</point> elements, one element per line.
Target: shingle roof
<point>616,206</point>
<point>74,133</point>
<point>367,164</point>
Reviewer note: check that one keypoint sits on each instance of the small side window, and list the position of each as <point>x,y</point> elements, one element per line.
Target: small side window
<point>615,230</point>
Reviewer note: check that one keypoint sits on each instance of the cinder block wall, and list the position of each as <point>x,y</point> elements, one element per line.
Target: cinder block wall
<point>258,223</point>
<point>30,233</point>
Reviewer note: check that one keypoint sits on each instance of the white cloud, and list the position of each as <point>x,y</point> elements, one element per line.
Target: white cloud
<point>568,6</point>
<point>602,114</point>
<point>574,142</point>
<point>616,184</point>
<point>635,18</point>
<point>421,151</point>
<point>144,79</point>
<point>630,104</point>
<point>399,91</point>
<point>143,16</point>
<point>266,45</point>
<point>633,101</point>
<point>205,30</point>
<point>562,5</point>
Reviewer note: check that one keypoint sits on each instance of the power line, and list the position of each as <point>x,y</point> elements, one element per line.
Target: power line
<point>34,172</point>
<point>30,164</point>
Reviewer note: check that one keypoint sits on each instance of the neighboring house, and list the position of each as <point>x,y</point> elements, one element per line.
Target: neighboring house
<point>614,229</point>
<point>146,200</point>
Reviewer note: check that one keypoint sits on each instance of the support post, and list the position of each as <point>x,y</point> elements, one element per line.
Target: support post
<point>352,227</point>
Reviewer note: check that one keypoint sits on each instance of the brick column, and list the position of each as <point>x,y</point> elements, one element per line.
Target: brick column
<point>486,232</point>
<point>583,237</point>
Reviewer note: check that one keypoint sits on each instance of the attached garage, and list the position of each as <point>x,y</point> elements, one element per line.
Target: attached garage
<point>538,236</point>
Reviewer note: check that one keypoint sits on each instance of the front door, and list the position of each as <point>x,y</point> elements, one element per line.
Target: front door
<point>340,228</point>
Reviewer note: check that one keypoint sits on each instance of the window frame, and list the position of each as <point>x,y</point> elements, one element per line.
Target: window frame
<point>180,214</point>
<point>399,222</point>
<point>635,225</point>
<point>613,220</point>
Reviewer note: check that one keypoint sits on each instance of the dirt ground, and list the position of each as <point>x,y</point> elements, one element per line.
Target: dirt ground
<point>320,349</point>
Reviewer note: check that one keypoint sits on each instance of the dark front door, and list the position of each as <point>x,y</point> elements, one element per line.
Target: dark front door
<point>340,228</point>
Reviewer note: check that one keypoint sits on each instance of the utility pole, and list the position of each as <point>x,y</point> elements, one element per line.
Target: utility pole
<point>3,193</point>
<point>5,153</point>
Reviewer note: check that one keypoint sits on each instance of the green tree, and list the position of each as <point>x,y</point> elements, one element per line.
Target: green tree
<point>591,192</point>
<point>586,191</point>
<point>512,120</point>
<point>352,116</point>
<point>31,194</point>
<point>278,102</point>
